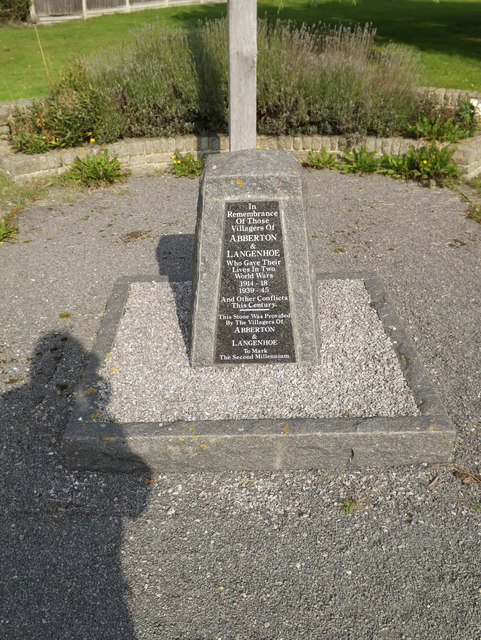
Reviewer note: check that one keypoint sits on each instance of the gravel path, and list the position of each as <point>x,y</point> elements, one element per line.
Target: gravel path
<point>373,554</point>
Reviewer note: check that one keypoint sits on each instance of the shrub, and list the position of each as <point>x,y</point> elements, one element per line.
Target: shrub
<point>359,161</point>
<point>431,164</point>
<point>439,127</point>
<point>151,83</point>
<point>28,132</point>
<point>322,159</point>
<point>68,118</point>
<point>14,10</point>
<point>186,165</point>
<point>208,43</point>
<point>330,80</point>
<point>167,81</point>
<point>7,228</point>
<point>95,169</point>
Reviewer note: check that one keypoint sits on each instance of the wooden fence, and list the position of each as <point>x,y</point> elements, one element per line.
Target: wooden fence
<point>53,10</point>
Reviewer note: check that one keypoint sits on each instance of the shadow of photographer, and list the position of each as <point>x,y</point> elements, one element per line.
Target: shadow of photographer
<point>61,532</point>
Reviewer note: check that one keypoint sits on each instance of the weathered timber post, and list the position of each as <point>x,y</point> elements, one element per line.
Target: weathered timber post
<point>242,19</point>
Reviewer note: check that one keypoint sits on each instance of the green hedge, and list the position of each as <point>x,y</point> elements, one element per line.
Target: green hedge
<point>14,10</point>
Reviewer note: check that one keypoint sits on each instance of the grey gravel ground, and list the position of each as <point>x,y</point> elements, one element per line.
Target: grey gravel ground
<point>264,556</point>
<point>147,376</point>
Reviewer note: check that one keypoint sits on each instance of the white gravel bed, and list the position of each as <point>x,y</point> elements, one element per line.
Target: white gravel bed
<point>147,376</point>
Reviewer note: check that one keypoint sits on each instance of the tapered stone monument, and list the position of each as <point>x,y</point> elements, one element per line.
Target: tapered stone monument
<point>254,294</point>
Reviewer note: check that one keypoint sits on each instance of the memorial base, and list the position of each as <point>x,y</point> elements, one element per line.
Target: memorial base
<point>97,440</point>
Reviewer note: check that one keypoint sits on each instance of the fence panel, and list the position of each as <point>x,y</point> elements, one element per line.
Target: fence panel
<point>98,5</point>
<point>57,7</point>
<point>44,9</point>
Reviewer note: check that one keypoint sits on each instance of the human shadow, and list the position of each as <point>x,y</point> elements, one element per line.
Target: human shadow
<point>175,257</point>
<point>60,531</point>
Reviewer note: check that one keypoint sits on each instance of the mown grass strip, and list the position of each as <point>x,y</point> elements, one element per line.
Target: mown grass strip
<point>445,34</point>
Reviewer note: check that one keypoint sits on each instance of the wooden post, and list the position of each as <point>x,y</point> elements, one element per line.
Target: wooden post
<point>242,18</point>
<point>33,13</point>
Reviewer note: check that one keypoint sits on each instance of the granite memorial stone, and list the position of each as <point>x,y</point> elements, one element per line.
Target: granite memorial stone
<point>254,294</point>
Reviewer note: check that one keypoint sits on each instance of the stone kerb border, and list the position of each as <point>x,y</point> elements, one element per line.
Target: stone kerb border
<point>260,444</point>
<point>146,155</point>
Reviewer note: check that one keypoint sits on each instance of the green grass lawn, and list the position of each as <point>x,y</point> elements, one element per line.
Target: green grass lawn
<point>447,36</point>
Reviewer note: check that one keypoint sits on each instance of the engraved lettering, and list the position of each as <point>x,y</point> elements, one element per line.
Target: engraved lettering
<point>254,320</point>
